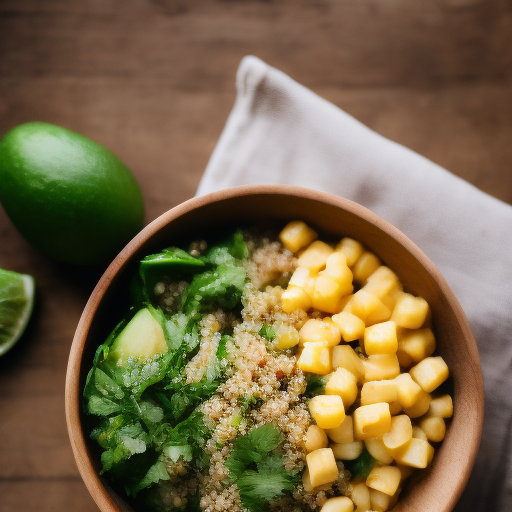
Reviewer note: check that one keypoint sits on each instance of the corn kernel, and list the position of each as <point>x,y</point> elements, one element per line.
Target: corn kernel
<point>327,293</point>
<point>365,266</point>
<point>344,434</point>
<point>344,356</point>
<point>417,433</point>
<point>286,337</point>
<point>315,358</point>
<point>339,504</point>
<point>434,428</point>
<point>378,391</point>
<point>406,472</point>
<point>336,268</point>
<point>418,344</point>
<point>351,248</point>
<point>306,482</point>
<point>316,438</point>
<point>395,407</point>
<point>368,308</point>
<point>391,298</point>
<point>381,501</point>
<point>441,407</point>
<point>361,496</point>
<point>381,367</point>
<point>296,235</point>
<point>420,407</point>
<point>295,298</point>
<point>322,467</point>
<point>315,256</point>
<point>407,390</point>
<point>416,453</point>
<point>343,383</point>
<point>381,339</point>
<point>304,278</point>
<point>348,451</point>
<point>385,479</point>
<point>403,357</point>
<point>327,410</point>
<point>381,282</point>
<point>350,326</point>
<point>319,330</point>
<point>399,434</point>
<point>430,373</point>
<point>371,420</point>
<point>410,311</point>
<point>377,450</point>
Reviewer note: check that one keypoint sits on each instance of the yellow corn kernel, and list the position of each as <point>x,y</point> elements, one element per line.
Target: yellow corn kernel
<point>322,467</point>
<point>348,451</point>
<point>352,249</point>
<point>286,337</point>
<point>395,407</point>
<point>361,496</point>
<point>306,482</point>
<point>295,298</point>
<point>416,453</point>
<point>385,479</point>
<point>407,390</point>
<point>430,373</point>
<point>344,434</point>
<point>316,438</point>
<point>304,278</point>
<point>371,420</point>
<point>399,434</point>
<point>381,367</point>
<point>441,407</point>
<point>381,501</point>
<point>336,268</point>
<point>339,504</point>
<point>418,344</point>
<point>434,428</point>
<point>319,330</point>
<point>327,410</point>
<point>344,303</point>
<point>410,311</point>
<point>296,235</point>
<point>391,298</point>
<point>315,358</point>
<point>315,256</point>
<point>381,339</point>
<point>378,391</point>
<point>381,282</point>
<point>417,433</point>
<point>344,356</point>
<point>350,326</point>
<point>377,450</point>
<point>368,308</point>
<point>327,293</point>
<point>420,407</point>
<point>365,266</point>
<point>342,383</point>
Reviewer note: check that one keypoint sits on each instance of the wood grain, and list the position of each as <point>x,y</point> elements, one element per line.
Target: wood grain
<point>153,80</point>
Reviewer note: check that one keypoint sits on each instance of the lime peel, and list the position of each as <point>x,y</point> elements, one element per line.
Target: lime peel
<point>17,293</point>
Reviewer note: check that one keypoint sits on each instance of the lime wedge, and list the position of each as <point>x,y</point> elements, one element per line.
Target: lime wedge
<point>16,303</point>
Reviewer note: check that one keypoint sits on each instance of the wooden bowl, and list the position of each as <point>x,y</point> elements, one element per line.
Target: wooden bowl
<point>441,485</point>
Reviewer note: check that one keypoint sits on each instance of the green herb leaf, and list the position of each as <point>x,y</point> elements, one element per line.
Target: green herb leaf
<point>268,331</point>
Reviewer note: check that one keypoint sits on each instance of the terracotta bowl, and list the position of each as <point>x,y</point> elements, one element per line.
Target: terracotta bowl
<point>440,486</point>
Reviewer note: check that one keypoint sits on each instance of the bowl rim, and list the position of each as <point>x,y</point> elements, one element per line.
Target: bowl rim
<point>104,500</point>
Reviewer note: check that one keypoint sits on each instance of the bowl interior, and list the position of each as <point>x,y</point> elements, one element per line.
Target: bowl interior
<point>440,486</point>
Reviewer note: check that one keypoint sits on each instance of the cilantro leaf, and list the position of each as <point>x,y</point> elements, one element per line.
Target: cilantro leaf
<point>268,331</point>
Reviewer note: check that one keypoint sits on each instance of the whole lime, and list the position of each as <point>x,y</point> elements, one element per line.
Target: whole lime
<point>70,197</point>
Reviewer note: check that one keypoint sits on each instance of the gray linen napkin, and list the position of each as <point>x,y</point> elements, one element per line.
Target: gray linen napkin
<point>281,132</point>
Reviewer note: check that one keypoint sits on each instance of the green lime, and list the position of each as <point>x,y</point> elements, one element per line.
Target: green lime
<point>16,303</point>
<point>69,196</point>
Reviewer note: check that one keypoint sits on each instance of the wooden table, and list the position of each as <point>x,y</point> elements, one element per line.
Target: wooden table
<point>154,82</point>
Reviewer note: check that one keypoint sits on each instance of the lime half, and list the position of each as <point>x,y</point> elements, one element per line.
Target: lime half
<point>16,303</point>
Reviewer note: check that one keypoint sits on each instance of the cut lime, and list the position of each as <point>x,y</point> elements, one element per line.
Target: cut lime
<point>16,303</point>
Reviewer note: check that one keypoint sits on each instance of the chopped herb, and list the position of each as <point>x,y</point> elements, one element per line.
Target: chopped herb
<point>268,331</point>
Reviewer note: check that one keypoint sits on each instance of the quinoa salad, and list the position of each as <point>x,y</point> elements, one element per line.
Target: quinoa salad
<point>270,371</point>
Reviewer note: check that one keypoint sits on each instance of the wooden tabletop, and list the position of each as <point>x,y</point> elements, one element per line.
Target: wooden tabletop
<point>153,80</point>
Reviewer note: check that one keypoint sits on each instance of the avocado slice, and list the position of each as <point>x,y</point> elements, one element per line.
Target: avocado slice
<point>143,337</point>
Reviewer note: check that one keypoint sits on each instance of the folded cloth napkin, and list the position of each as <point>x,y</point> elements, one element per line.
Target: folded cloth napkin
<point>281,132</point>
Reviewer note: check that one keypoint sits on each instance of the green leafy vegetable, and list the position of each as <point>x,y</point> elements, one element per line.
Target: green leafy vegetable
<point>268,331</point>
<point>315,385</point>
<point>257,469</point>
